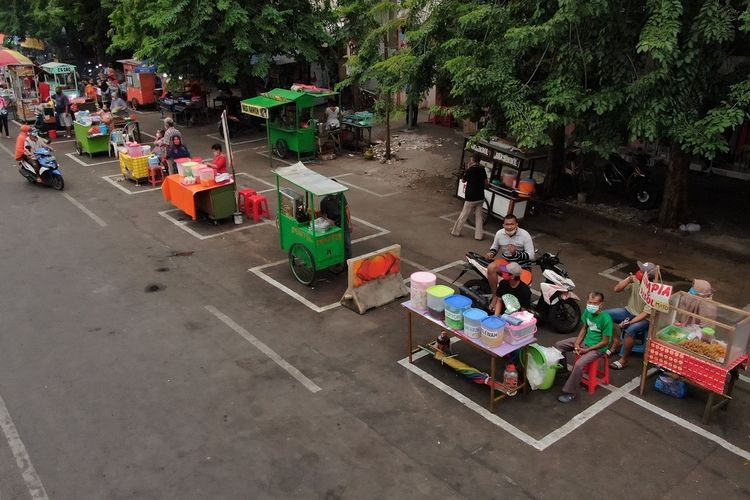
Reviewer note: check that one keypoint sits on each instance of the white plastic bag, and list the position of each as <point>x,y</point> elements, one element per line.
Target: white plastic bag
<point>535,373</point>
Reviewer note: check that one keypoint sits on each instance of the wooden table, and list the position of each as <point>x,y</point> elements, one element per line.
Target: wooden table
<point>185,197</point>
<point>501,351</point>
<point>357,133</point>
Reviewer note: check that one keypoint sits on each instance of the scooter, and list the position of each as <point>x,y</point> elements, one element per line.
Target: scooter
<point>557,305</point>
<point>49,170</point>
<point>632,178</point>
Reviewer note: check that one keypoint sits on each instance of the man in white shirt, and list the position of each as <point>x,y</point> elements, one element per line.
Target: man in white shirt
<point>512,244</point>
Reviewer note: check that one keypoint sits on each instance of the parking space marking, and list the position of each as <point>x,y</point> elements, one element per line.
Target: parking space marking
<point>689,426</point>
<point>379,195</point>
<point>453,217</point>
<point>258,271</point>
<point>23,461</point>
<point>258,344</point>
<point>77,160</point>
<point>183,224</point>
<point>111,180</point>
<point>85,210</point>
<point>275,158</point>
<point>435,271</point>
<point>221,139</point>
<point>744,378</point>
<point>607,273</point>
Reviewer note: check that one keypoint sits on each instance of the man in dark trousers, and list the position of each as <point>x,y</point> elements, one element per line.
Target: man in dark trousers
<point>475,178</point>
<point>330,208</point>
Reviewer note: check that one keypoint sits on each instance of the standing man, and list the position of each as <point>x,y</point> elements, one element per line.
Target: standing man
<point>475,178</point>
<point>512,244</point>
<point>62,109</point>
<point>633,319</point>
<point>589,346</point>
<point>330,208</point>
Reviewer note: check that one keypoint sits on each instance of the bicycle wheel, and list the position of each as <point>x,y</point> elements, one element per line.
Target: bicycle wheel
<point>302,264</point>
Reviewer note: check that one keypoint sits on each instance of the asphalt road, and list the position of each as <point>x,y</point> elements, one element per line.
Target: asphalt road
<point>140,358</point>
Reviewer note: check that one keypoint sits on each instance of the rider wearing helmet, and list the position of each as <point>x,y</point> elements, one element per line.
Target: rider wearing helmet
<point>31,144</point>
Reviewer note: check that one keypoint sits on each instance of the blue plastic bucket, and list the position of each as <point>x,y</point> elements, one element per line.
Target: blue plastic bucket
<point>473,322</point>
<point>455,305</point>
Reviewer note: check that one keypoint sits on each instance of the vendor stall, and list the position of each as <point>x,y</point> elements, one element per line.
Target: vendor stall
<point>61,75</point>
<point>290,119</point>
<point>140,78</point>
<point>216,200</point>
<point>313,244</point>
<point>18,72</point>
<point>510,172</point>
<point>90,139</point>
<point>701,341</point>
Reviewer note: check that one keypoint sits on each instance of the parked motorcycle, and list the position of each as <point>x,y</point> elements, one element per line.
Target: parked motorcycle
<point>49,170</point>
<point>237,121</point>
<point>557,306</point>
<point>632,178</point>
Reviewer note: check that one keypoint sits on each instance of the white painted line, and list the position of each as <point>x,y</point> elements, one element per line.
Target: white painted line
<point>218,138</point>
<point>11,153</point>
<point>380,231</point>
<point>75,158</point>
<point>689,426</point>
<point>118,185</point>
<point>28,472</point>
<point>184,225</point>
<point>607,273</point>
<point>258,271</point>
<point>269,184</point>
<point>452,218</point>
<point>275,158</point>
<point>291,370</point>
<point>85,210</point>
<point>61,141</point>
<point>148,135</point>
<point>379,195</point>
<point>744,378</point>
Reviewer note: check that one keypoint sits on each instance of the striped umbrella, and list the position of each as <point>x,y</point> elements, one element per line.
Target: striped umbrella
<point>12,58</point>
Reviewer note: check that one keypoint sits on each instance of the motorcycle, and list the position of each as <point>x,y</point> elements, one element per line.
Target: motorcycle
<point>557,305</point>
<point>49,170</point>
<point>633,178</point>
<point>237,122</point>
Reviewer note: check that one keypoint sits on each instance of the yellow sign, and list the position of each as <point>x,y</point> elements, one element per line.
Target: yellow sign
<point>255,110</point>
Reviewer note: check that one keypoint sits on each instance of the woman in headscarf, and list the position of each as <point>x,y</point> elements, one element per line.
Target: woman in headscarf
<point>698,302</point>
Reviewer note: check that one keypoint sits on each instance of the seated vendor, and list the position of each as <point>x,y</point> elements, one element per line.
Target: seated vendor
<point>511,288</point>
<point>220,160</point>
<point>105,116</point>
<point>119,107</point>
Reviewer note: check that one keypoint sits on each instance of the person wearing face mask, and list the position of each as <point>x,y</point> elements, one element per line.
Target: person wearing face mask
<point>512,286</point>
<point>590,344</point>
<point>511,244</point>
<point>695,304</point>
<point>633,319</point>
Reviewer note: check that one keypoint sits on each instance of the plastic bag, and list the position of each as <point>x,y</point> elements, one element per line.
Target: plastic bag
<point>535,373</point>
<point>671,387</point>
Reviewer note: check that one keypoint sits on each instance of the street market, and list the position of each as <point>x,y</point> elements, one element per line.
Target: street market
<point>456,249</point>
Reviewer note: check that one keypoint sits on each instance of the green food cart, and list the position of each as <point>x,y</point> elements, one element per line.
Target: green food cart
<point>90,143</point>
<point>311,245</point>
<point>290,124</point>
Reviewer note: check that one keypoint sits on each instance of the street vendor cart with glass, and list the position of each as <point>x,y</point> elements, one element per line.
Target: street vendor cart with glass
<point>290,121</point>
<point>313,244</point>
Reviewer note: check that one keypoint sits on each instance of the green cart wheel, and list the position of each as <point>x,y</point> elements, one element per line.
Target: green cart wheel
<point>281,148</point>
<point>302,264</point>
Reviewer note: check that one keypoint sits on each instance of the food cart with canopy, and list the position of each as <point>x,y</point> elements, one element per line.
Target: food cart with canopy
<point>290,124</point>
<point>61,75</point>
<point>510,171</point>
<point>18,72</point>
<point>312,244</point>
<point>141,81</point>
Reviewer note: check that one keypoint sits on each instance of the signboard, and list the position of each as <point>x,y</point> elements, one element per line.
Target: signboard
<point>255,110</point>
<point>374,279</point>
<point>655,294</point>
<point>510,160</point>
<point>482,149</point>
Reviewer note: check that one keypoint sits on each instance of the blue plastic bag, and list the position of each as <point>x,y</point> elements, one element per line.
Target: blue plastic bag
<point>671,387</point>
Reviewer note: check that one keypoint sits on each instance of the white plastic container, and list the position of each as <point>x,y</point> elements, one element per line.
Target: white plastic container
<point>473,322</point>
<point>419,283</point>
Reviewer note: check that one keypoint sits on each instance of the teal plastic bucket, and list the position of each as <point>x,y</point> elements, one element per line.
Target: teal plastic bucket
<point>535,352</point>
<point>455,305</point>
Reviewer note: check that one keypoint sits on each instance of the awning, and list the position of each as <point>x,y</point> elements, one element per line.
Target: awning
<point>56,68</point>
<point>33,43</point>
<point>259,106</point>
<point>309,180</point>
<point>12,58</point>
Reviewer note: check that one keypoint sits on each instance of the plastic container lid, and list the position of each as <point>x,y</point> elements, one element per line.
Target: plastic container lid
<point>493,323</point>
<point>440,291</point>
<point>423,277</point>
<point>474,314</point>
<point>708,331</point>
<point>457,302</point>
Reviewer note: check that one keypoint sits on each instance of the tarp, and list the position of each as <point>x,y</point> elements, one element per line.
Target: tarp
<point>12,58</point>
<point>56,68</point>
<point>309,180</point>
<point>33,43</point>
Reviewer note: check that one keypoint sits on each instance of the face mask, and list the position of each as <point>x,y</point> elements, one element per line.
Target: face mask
<point>592,308</point>
<point>509,233</point>
<point>693,291</point>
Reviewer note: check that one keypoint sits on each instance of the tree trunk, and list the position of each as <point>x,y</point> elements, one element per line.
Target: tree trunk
<point>674,203</point>
<point>555,163</point>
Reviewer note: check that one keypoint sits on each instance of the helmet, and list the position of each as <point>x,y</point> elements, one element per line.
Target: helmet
<point>33,131</point>
<point>25,129</point>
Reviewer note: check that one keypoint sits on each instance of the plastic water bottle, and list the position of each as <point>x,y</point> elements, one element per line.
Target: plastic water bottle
<point>510,379</point>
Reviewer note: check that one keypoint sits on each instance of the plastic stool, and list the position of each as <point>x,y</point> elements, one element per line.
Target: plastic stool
<point>592,376</point>
<point>155,175</point>
<point>243,200</point>
<point>259,207</point>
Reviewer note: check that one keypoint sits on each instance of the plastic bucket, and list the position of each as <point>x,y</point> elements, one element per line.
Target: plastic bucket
<point>436,300</point>
<point>473,322</point>
<point>135,150</point>
<point>493,331</point>
<point>207,176</point>
<point>535,352</point>
<point>153,161</point>
<point>52,133</point>
<point>419,283</point>
<point>455,305</point>
<point>526,187</point>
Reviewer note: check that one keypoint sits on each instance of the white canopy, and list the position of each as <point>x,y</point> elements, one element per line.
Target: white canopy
<point>309,180</point>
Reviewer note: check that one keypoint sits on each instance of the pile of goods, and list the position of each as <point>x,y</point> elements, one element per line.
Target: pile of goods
<point>715,351</point>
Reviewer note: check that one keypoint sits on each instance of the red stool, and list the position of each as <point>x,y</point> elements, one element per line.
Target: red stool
<point>592,376</point>
<point>155,175</point>
<point>259,207</point>
<point>243,200</point>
